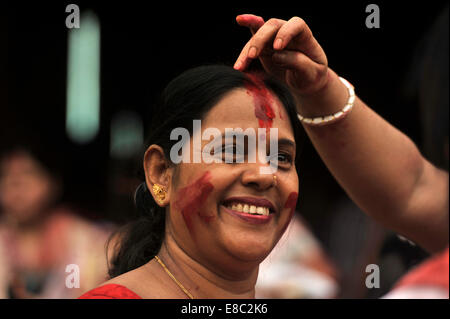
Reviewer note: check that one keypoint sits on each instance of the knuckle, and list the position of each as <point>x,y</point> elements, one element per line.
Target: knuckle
<point>273,22</point>
<point>299,20</point>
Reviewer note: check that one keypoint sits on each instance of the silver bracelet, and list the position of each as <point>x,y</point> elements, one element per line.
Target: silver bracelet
<point>327,119</point>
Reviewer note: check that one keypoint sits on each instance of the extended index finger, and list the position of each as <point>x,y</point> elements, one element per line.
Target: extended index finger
<point>251,21</point>
<point>254,23</point>
<point>261,39</point>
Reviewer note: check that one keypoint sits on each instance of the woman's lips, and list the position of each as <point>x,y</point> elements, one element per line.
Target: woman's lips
<point>253,201</point>
<point>250,218</point>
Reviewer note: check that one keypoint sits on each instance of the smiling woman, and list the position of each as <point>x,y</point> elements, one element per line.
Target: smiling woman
<point>206,227</point>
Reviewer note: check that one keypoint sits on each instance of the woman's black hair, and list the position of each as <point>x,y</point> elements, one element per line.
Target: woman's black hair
<point>187,97</point>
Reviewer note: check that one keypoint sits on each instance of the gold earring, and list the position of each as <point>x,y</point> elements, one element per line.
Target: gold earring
<point>159,192</point>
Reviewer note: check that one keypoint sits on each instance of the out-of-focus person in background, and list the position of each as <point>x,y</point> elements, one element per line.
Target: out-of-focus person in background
<point>427,85</point>
<point>298,267</point>
<point>40,237</point>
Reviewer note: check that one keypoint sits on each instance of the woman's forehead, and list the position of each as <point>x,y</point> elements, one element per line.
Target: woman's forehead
<point>242,108</point>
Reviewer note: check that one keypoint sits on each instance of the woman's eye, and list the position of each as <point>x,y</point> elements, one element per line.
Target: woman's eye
<point>285,158</point>
<point>233,153</point>
<point>233,149</point>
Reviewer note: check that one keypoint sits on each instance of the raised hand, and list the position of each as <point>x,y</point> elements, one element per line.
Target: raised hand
<point>287,50</point>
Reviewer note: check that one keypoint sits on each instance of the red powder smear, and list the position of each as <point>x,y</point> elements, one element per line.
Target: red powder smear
<point>243,18</point>
<point>291,203</point>
<point>191,198</point>
<point>263,101</point>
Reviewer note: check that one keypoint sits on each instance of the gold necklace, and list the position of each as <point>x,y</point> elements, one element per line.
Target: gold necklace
<point>173,278</point>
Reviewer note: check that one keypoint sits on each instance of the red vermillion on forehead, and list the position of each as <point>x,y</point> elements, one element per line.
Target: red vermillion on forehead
<point>191,198</point>
<point>263,101</point>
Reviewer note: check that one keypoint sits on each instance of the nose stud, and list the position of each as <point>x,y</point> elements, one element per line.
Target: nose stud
<point>275,181</point>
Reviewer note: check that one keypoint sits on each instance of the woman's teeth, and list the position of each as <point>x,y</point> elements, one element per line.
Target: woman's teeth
<point>250,209</point>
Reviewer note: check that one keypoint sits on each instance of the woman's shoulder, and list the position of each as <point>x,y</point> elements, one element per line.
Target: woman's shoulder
<point>110,291</point>
<point>141,283</point>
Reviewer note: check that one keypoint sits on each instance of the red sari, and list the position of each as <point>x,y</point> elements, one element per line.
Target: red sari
<point>110,291</point>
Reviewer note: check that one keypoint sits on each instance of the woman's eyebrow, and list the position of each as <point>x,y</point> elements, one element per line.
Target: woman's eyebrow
<point>286,141</point>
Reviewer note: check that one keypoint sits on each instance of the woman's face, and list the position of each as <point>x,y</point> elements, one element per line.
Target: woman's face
<point>230,212</point>
<point>25,187</point>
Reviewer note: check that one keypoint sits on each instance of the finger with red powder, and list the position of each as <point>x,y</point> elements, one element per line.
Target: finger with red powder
<point>250,21</point>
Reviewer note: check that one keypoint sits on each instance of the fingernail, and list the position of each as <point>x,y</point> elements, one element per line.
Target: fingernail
<point>238,65</point>
<point>252,53</point>
<point>278,43</point>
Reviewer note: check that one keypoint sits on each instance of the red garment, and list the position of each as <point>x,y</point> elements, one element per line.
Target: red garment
<point>110,291</point>
<point>433,272</point>
<point>429,280</point>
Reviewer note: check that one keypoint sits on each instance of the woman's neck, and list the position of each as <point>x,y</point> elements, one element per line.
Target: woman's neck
<point>202,282</point>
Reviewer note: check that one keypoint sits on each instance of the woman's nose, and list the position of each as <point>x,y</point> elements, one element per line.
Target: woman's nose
<point>253,177</point>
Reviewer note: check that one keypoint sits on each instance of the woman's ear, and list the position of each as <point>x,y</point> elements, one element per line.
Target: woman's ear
<point>158,174</point>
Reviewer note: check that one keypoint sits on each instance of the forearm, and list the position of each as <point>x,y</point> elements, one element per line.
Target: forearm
<point>380,168</point>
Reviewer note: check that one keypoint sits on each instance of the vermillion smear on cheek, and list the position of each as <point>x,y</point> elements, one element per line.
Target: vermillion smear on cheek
<point>291,203</point>
<point>263,101</point>
<point>191,198</point>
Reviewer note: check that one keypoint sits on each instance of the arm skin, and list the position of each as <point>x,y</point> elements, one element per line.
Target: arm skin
<point>378,166</point>
<point>382,170</point>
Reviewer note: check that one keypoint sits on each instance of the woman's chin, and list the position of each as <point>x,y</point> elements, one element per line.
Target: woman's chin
<point>249,251</point>
<point>246,241</point>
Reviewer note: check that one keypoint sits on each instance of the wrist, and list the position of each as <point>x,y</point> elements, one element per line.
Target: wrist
<point>330,99</point>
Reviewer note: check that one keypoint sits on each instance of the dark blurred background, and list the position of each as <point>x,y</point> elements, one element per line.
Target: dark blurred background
<point>145,44</point>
